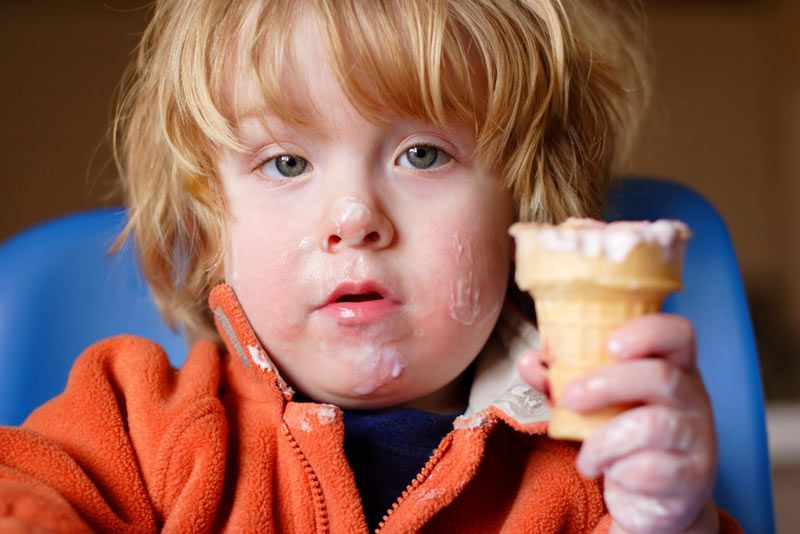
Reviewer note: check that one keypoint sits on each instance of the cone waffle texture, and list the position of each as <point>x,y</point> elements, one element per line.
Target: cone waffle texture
<point>580,300</point>
<point>575,328</point>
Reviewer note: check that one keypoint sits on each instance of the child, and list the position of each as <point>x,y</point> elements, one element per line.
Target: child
<point>345,174</point>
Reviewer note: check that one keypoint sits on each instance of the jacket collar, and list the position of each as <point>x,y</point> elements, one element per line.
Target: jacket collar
<point>240,339</point>
<point>497,386</point>
<point>497,390</point>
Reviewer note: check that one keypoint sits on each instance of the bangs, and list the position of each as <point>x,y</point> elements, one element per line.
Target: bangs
<point>499,67</point>
<point>433,61</point>
<point>391,59</point>
<point>543,84</point>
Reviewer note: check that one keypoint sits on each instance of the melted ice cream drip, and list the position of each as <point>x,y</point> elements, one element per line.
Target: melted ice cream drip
<point>465,296</point>
<point>379,366</point>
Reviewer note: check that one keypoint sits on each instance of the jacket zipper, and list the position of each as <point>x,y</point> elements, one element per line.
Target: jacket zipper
<point>320,508</point>
<point>421,477</point>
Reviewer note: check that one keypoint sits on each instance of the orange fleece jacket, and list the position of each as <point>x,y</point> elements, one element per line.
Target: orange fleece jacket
<point>133,445</point>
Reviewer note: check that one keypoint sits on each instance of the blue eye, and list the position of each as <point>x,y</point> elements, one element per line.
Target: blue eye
<point>423,157</point>
<point>284,166</point>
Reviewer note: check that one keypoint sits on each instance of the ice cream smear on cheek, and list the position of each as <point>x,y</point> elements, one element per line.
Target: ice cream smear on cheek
<point>306,244</point>
<point>465,294</point>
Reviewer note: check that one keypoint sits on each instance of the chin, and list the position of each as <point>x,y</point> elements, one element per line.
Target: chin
<point>365,404</point>
<point>379,399</point>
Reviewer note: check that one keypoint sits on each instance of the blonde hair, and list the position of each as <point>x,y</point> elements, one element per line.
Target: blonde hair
<point>554,89</point>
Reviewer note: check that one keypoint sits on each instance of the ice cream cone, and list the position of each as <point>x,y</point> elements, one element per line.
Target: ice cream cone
<point>587,278</point>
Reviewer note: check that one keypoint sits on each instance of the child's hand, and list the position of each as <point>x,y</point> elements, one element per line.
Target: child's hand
<point>659,458</point>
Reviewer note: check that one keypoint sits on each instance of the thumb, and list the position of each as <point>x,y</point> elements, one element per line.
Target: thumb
<point>532,370</point>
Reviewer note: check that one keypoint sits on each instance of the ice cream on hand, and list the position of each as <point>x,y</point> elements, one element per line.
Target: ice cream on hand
<point>587,278</point>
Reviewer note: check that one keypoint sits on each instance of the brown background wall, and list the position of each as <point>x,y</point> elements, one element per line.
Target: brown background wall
<point>60,64</point>
<point>726,122</point>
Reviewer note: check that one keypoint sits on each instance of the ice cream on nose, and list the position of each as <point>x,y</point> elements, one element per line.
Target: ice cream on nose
<point>587,278</point>
<point>351,218</point>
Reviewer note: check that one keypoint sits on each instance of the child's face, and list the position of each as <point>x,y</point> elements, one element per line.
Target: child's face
<point>372,262</point>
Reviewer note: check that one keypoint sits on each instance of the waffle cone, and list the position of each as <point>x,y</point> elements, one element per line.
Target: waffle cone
<point>574,328</point>
<point>579,302</point>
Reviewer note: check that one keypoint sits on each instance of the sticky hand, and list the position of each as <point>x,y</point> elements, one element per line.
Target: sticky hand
<point>658,458</point>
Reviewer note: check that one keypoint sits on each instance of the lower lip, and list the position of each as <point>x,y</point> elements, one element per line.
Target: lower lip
<point>359,313</point>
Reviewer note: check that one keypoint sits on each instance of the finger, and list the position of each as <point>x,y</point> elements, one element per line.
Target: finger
<point>649,381</point>
<point>634,513</point>
<point>533,372</point>
<point>646,427</point>
<point>667,336</point>
<point>659,473</point>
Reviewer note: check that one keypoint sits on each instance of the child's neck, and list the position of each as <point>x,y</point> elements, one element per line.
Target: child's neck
<point>449,399</point>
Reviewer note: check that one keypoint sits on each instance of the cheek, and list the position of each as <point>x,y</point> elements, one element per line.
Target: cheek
<point>478,276</point>
<point>253,258</point>
<point>261,267</point>
<point>471,269</point>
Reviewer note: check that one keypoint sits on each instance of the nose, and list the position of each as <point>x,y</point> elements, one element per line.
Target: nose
<point>354,224</point>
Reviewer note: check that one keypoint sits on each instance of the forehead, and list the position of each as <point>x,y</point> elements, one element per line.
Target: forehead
<point>362,54</point>
<point>293,80</point>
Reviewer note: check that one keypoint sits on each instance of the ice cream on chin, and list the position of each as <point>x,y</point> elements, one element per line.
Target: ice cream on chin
<point>587,278</point>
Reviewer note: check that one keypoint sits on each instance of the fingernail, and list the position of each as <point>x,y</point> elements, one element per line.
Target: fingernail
<point>595,384</point>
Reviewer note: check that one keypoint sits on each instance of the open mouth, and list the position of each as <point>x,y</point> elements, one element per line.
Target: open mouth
<point>360,297</point>
<point>361,303</point>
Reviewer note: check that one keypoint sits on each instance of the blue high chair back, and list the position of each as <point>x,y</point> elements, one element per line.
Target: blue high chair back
<point>713,299</point>
<point>60,291</point>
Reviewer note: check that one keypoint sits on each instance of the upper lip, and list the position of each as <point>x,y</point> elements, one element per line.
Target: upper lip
<point>358,288</point>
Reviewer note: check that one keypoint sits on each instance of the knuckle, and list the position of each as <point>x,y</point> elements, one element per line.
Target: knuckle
<point>667,378</point>
<point>684,329</point>
<point>684,472</point>
<point>705,466</point>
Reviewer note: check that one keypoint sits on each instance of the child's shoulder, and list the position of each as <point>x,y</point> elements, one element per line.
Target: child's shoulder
<point>127,430</point>
<point>139,370</point>
<point>126,386</point>
<point>138,357</point>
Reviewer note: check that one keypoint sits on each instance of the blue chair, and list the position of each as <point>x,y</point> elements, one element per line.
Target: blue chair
<point>60,291</point>
<point>713,299</point>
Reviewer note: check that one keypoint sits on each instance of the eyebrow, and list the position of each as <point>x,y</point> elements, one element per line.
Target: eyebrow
<point>264,119</point>
<point>252,128</point>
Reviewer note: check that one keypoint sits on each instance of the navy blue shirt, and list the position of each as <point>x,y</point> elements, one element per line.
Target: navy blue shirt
<point>387,449</point>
